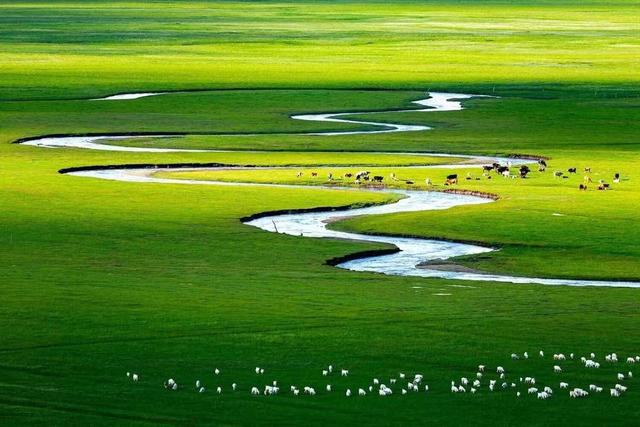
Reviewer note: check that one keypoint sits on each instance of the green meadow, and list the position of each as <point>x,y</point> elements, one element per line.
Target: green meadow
<point>99,278</point>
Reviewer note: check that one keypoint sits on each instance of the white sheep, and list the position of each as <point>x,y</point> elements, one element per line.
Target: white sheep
<point>219,390</point>
<point>325,372</point>
<point>255,391</point>
<point>479,375</point>
<point>481,368</point>
<point>620,377</point>
<point>500,370</point>
<point>621,388</point>
<point>543,395</point>
<point>564,385</point>
<point>401,375</point>
<point>328,387</point>
<point>348,392</point>
<point>557,369</point>
<point>344,372</point>
<point>376,381</point>
<point>361,392</point>
<point>233,386</point>
<point>392,381</point>
<point>532,390</point>
<point>404,392</point>
<point>330,368</point>
<point>216,371</point>
<point>614,392</point>
<point>473,390</point>
<point>541,353</point>
<point>135,377</point>
<point>514,356</point>
<point>201,390</point>
<point>296,392</point>
<point>464,381</point>
<point>631,360</point>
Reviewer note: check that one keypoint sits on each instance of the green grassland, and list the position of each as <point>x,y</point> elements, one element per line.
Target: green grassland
<point>72,49</point>
<point>99,278</point>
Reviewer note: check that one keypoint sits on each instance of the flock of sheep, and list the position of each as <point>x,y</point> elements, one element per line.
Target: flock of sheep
<point>546,392</point>
<point>452,179</point>
<point>404,384</point>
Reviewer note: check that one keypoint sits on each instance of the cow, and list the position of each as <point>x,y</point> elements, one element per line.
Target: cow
<point>524,170</point>
<point>377,178</point>
<point>451,179</point>
<point>572,170</point>
<point>583,187</point>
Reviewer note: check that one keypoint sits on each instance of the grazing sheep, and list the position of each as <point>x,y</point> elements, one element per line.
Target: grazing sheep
<point>426,388</point>
<point>233,386</point>
<point>630,374</point>
<point>330,367</point>
<point>532,390</point>
<point>478,375</point>
<point>518,394</point>
<point>631,360</point>
<point>344,372</point>
<point>557,369</point>
<point>464,381</point>
<point>197,383</point>
<point>401,375</point>
<point>541,353</point>
<point>219,390</point>
<point>328,388</point>
<point>135,377</point>
<point>525,355</point>
<point>375,381</point>
<point>174,386</point>
<point>216,371</point>
<point>255,391</point>
<point>514,356</point>
<point>614,392</point>
<point>621,388</point>
<point>476,383</point>
<point>564,385</point>
<point>500,370</point>
<point>325,372</point>
<point>620,377</point>
<point>201,390</point>
<point>348,392</point>
<point>543,395</point>
<point>361,392</point>
<point>578,392</point>
<point>404,392</point>
<point>481,368</point>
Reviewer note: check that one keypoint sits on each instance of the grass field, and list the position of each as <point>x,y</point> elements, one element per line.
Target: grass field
<point>99,278</point>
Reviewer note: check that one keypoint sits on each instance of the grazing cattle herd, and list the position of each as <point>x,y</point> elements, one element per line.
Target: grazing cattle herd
<point>523,171</point>
<point>402,384</point>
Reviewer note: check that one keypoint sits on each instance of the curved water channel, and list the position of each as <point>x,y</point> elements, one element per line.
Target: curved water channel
<point>412,252</point>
